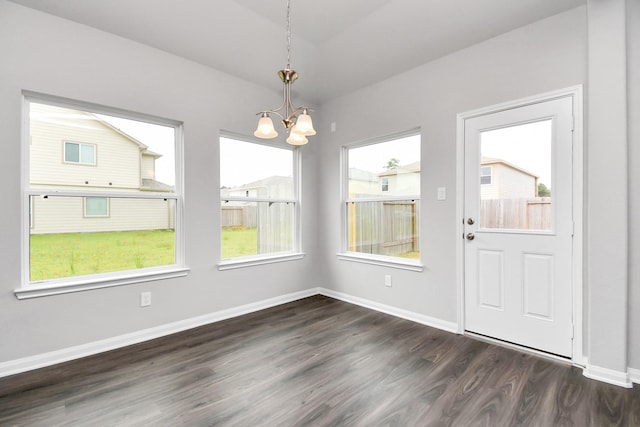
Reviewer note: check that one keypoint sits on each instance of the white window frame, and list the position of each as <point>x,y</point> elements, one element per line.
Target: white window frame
<point>385,184</point>
<point>374,259</point>
<point>29,289</point>
<point>101,215</point>
<point>297,252</point>
<point>490,175</point>
<point>80,161</point>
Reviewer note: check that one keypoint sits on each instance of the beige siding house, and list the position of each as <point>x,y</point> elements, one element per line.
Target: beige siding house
<point>502,180</point>
<point>83,152</point>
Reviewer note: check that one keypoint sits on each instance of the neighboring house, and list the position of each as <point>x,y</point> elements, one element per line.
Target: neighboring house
<point>500,179</point>
<point>399,181</point>
<point>85,152</point>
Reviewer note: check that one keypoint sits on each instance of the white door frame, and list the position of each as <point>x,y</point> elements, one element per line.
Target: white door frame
<point>575,92</point>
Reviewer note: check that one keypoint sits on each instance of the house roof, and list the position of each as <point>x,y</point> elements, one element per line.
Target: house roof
<point>408,168</point>
<point>153,185</point>
<point>490,160</point>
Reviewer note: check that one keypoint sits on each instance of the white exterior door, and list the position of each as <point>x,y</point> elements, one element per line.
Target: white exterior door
<point>518,225</point>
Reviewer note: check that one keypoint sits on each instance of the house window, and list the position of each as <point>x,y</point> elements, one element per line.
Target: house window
<point>485,175</point>
<point>258,201</point>
<point>106,225</point>
<point>381,199</point>
<point>96,207</point>
<point>84,154</point>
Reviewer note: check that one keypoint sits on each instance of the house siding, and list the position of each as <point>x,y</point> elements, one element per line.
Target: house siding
<point>508,183</point>
<point>66,215</point>
<point>117,158</point>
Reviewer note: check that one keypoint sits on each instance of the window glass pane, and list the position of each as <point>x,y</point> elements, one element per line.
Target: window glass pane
<point>391,167</point>
<point>71,152</point>
<point>88,154</point>
<point>384,228</point>
<point>254,170</point>
<point>96,206</point>
<point>138,233</point>
<point>256,228</point>
<point>98,231</point>
<point>518,190</point>
<point>134,155</point>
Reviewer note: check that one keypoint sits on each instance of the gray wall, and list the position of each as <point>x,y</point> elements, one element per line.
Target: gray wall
<point>42,53</point>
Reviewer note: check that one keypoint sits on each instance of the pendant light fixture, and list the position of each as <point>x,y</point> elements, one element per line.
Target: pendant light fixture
<point>296,120</point>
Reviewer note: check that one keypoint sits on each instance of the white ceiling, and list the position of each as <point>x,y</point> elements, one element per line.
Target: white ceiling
<point>337,45</point>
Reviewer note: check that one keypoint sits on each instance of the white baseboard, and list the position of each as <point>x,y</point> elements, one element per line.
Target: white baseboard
<point>607,375</point>
<point>76,352</point>
<point>394,311</point>
<point>634,375</point>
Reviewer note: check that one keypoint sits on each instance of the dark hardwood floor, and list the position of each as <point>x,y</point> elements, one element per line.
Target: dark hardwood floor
<point>314,362</point>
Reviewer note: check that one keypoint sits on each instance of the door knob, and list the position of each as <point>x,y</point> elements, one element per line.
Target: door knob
<point>470,221</point>
<point>470,236</point>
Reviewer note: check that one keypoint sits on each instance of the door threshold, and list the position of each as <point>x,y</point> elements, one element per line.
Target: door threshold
<point>521,348</point>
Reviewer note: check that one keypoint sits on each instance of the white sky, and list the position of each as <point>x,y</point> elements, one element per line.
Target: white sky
<point>244,162</point>
<point>160,139</point>
<point>527,146</point>
<point>374,157</point>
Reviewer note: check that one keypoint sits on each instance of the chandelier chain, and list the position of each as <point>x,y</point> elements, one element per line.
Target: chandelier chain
<point>288,33</point>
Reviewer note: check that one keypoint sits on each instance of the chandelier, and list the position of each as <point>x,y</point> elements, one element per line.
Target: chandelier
<point>296,120</point>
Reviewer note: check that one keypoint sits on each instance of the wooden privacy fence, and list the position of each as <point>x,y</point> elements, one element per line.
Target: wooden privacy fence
<point>518,214</point>
<point>239,216</point>
<point>384,228</point>
<point>273,223</point>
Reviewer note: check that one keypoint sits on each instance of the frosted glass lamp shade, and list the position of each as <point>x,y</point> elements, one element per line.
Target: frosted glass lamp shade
<point>265,128</point>
<point>296,138</point>
<point>304,124</point>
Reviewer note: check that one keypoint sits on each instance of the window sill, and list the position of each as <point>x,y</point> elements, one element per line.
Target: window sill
<point>382,261</point>
<point>250,262</point>
<point>79,285</point>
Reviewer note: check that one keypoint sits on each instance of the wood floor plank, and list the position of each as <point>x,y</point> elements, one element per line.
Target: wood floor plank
<point>314,362</point>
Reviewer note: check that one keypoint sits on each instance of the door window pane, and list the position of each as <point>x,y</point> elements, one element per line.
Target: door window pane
<point>516,185</point>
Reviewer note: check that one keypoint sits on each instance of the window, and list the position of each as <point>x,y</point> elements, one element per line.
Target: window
<point>114,223</point>
<point>84,154</point>
<point>258,201</point>
<point>96,206</point>
<point>485,175</point>
<point>382,199</point>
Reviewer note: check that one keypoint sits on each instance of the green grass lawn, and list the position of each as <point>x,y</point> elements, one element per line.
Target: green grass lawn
<point>239,241</point>
<point>74,254</point>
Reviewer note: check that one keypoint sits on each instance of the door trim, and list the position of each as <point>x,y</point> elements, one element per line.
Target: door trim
<point>575,93</point>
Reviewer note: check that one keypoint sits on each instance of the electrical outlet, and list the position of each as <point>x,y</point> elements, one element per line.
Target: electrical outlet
<point>387,280</point>
<point>145,299</point>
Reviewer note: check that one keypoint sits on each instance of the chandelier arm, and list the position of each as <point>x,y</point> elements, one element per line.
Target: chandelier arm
<point>271,112</point>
